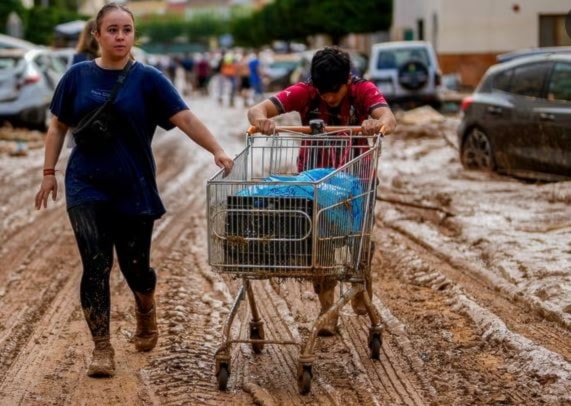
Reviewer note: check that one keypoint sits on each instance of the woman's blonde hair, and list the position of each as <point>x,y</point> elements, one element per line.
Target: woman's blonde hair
<point>87,43</point>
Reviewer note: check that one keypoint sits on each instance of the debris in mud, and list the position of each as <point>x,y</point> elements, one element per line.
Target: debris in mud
<point>422,122</point>
<point>17,141</point>
<point>420,116</point>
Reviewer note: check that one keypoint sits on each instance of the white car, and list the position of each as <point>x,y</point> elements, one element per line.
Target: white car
<point>9,42</point>
<point>406,72</point>
<point>27,82</point>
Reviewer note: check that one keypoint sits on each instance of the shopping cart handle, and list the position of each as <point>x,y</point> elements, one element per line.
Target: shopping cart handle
<point>354,129</point>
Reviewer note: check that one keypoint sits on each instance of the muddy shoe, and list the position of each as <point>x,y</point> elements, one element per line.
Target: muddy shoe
<point>147,333</point>
<point>358,304</point>
<point>329,328</point>
<point>325,289</point>
<point>103,361</point>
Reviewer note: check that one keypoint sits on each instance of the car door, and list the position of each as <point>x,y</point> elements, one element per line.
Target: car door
<point>525,148</point>
<point>494,109</point>
<point>553,115</point>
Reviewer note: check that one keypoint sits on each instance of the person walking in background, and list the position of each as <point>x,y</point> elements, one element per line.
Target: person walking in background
<point>187,63</point>
<point>229,71</point>
<point>256,76</point>
<point>244,77</point>
<point>111,191</point>
<point>335,96</point>
<point>202,74</point>
<point>87,47</point>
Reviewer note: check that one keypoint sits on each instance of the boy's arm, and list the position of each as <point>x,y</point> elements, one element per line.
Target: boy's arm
<point>382,121</point>
<point>260,114</point>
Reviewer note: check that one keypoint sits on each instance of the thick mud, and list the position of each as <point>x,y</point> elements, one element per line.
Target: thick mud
<point>471,278</point>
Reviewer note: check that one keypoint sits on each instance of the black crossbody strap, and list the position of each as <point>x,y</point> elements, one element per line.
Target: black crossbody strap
<point>119,83</point>
<point>114,91</point>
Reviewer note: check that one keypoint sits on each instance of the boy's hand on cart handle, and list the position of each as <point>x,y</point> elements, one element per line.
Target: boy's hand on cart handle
<point>224,161</point>
<point>266,126</point>
<point>372,126</point>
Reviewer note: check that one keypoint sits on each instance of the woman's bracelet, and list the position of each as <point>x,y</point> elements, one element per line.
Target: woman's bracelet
<point>49,171</point>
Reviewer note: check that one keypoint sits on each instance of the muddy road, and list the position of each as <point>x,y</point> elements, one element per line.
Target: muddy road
<point>472,278</point>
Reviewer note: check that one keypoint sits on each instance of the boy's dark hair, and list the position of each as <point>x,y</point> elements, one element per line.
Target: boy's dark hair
<point>330,69</point>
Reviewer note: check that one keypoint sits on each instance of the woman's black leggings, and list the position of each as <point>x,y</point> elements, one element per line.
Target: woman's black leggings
<point>98,228</point>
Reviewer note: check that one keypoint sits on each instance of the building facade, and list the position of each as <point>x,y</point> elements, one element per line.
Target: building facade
<point>468,35</point>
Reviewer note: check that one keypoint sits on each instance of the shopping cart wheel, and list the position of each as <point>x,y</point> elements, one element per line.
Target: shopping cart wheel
<point>257,333</point>
<point>375,343</point>
<point>223,374</point>
<point>304,380</point>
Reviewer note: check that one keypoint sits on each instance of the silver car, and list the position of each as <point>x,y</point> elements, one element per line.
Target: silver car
<point>28,78</point>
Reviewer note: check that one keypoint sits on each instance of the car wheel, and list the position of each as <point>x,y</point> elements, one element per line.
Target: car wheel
<point>477,151</point>
<point>413,75</point>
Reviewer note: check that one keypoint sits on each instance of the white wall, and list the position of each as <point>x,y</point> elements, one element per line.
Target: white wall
<point>476,26</point>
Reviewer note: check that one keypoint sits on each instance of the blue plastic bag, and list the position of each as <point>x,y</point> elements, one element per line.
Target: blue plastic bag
<point>341,219</point>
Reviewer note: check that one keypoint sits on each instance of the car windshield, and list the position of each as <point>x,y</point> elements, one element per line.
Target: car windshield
<point>393,58</point>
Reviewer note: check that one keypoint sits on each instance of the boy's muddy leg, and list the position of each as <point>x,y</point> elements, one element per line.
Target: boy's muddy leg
<point>325,289</point>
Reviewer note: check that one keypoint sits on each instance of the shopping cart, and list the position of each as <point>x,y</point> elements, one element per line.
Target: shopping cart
<point>298,204</point>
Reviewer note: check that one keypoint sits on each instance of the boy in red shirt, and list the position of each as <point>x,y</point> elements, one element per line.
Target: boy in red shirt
<point>335,96</point>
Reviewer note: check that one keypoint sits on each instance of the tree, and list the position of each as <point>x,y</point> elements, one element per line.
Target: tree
<point>162,28</point>
<point>45,19</point>
<point>198,30</point>
<point>205,25</point>
<point>296,19</point>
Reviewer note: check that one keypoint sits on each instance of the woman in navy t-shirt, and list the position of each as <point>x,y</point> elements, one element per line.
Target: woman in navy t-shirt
<point>111,191</point>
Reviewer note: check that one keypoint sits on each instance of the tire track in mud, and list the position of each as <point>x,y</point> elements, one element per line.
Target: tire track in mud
<point>191,308</point>
<point>466,355</point>
<point>24,277</point>
<point>386,376</point>
<point>537,325</point>
<point>343,370</point>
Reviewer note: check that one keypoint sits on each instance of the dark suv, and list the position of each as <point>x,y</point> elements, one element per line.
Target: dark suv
<point>518,121</point>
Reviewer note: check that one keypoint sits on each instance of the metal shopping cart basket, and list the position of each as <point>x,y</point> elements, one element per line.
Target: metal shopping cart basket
<point>298,204</point>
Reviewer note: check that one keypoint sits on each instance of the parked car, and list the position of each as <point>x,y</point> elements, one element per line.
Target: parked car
<point>9,42</point>
<point>509,56</point>
<point>406,72</point>
<point>27,81</point>
<point>64,55</point>
<point>518,120</point>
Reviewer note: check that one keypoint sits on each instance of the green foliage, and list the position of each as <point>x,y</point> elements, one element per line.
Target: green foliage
<point>205,25</point>
<point>289,20</point>
<point>63,4</point>
<point>296,19</point>
<point>166,29</point>
<point>162,29</point>
<point>44,19</point>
